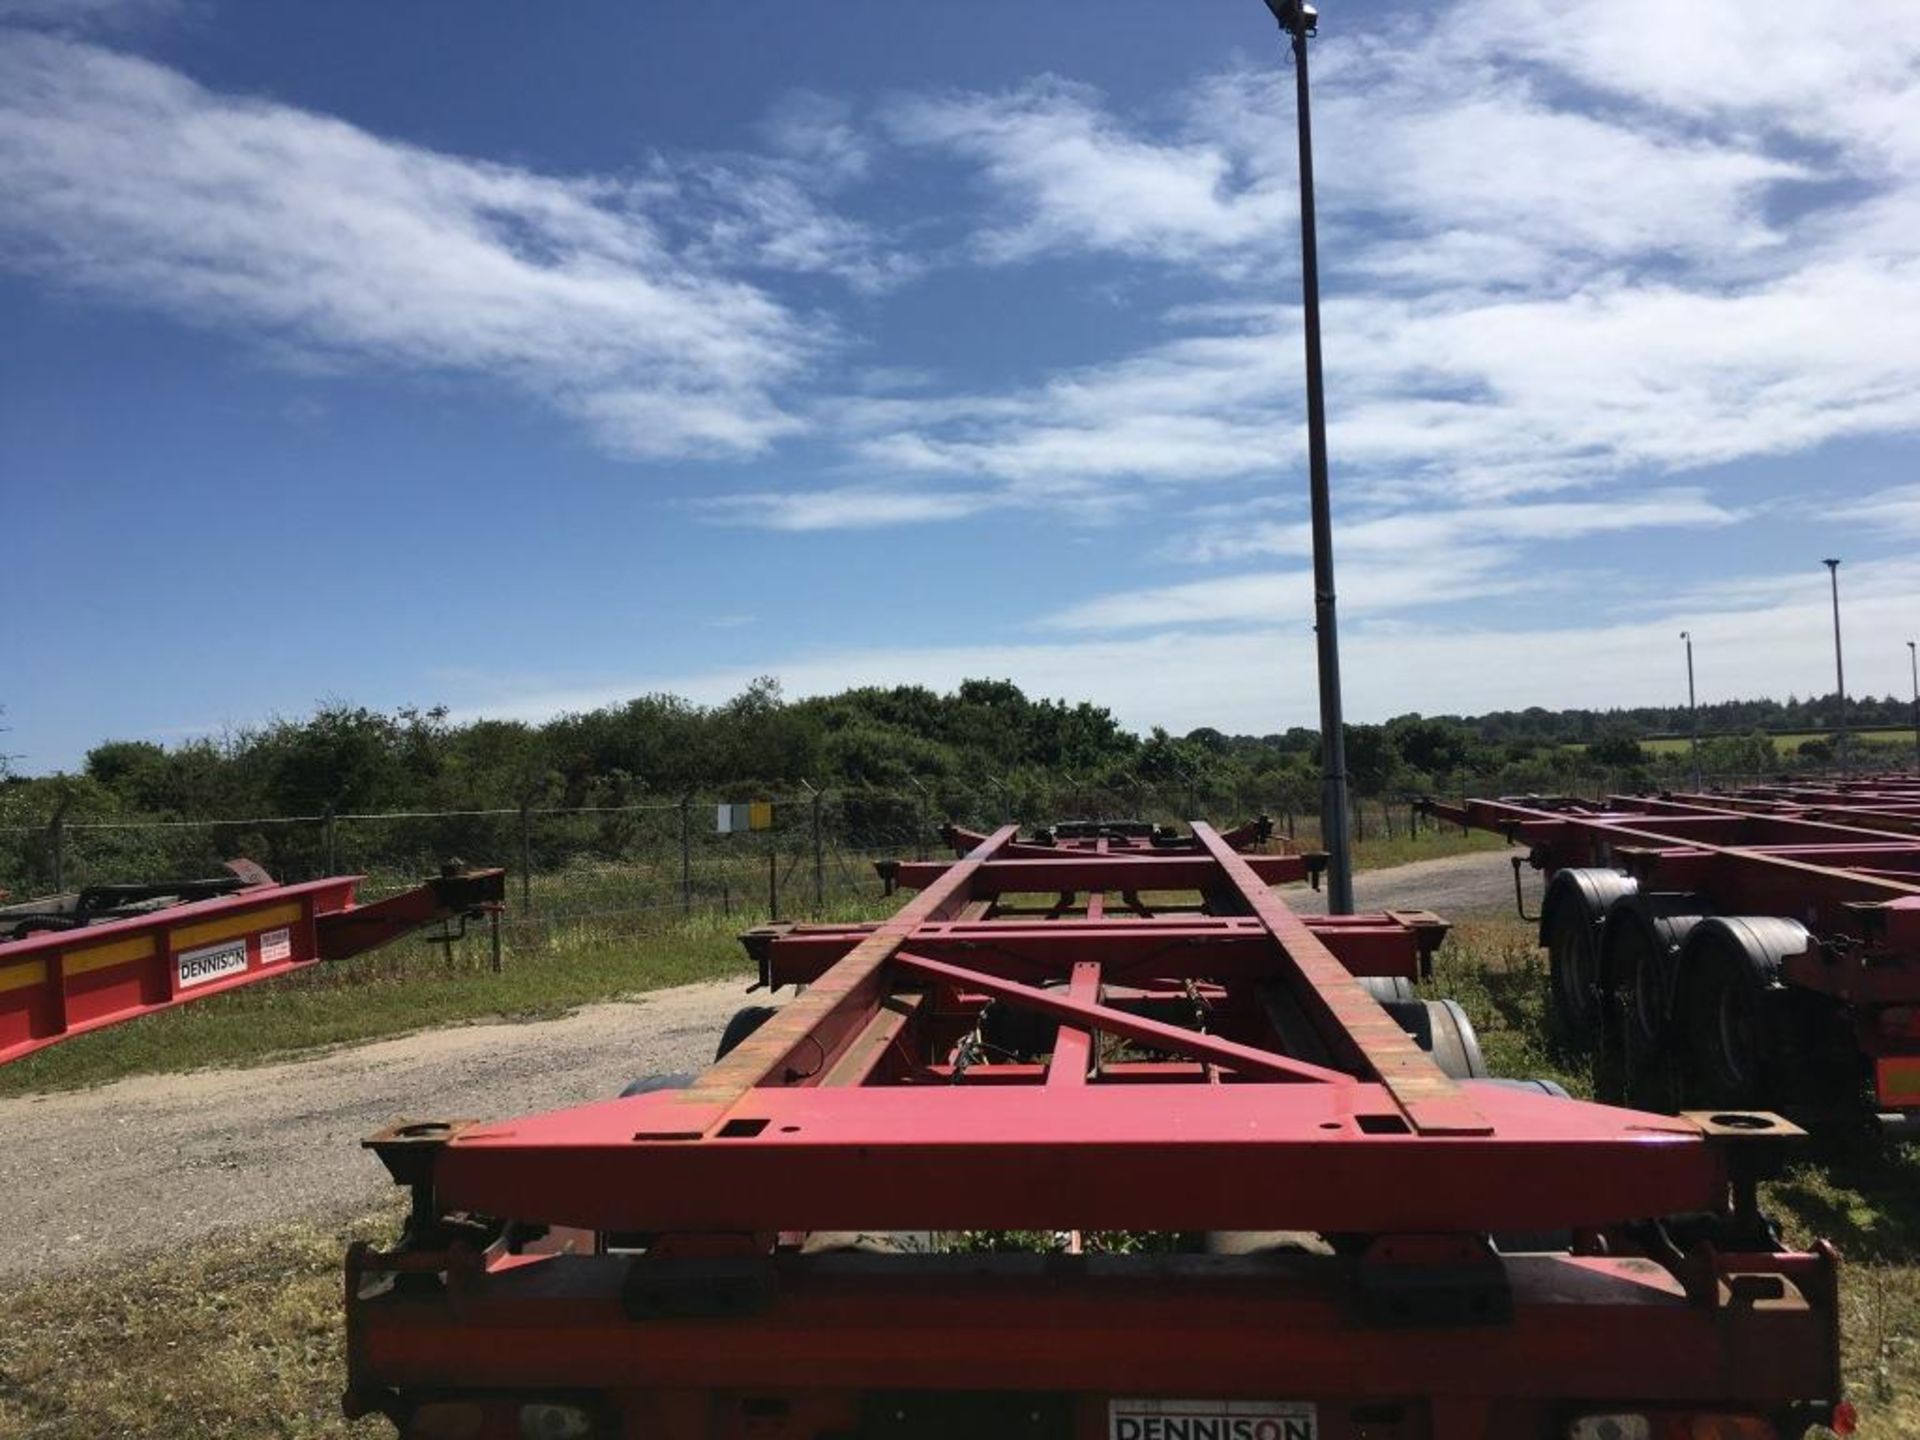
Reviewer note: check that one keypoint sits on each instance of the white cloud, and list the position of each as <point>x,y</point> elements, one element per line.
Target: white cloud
<point>1895,510</point>
<point>1067,176</point>
<point>1235,534</point>
<point>1258,680</point>
<point>127,180</point>
<point>1367,586</point>
<point>1530,290</point>
<point>852,508</point>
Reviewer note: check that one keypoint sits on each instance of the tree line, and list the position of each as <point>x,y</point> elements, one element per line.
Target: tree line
<point>899,739</point>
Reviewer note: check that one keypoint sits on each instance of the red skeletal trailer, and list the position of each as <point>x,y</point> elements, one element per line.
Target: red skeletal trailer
<point>1764,941</point>
<point>108,953</point>
<point>1358,1234</point>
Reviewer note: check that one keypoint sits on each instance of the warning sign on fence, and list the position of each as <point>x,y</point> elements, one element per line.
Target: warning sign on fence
<point>750,815</point>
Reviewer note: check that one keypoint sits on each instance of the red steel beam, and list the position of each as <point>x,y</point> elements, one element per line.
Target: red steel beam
<point>1431,1102</point>
<point>1089,871</point>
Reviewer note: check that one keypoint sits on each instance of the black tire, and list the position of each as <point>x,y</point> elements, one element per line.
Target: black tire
<point>1572,976</point>
<point>1726,1027</point>
<point>1570,915</point>
<point>746,1020</point>
<point>1389,987</point>
<point>1640,963</point>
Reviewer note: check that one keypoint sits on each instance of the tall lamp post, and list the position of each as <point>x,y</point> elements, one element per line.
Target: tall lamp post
<point>1298,20</point>
<point>1693,714</point>
<point>1839,670</point>
<point>1913,660</point>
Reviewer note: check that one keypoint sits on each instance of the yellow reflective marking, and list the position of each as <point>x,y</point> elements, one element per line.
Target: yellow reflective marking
<point>226,929</point>
<point>79,962</point>
<point>18,977</point>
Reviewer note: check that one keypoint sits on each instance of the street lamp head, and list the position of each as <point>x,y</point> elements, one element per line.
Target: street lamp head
<point>1830,563</point>
<point>1686,635</point>
<point>1296,17</point>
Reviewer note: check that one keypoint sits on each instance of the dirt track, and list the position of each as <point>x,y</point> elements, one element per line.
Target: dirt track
<point>156,1161</point>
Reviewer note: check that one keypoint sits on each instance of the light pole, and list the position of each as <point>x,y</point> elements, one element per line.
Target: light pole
<point>1913,660</point>
<point>1839,670</point>
<point>1693,714</point>
<point>1298,20</point>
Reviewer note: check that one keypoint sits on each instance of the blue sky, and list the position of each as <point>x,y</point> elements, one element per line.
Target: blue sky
<point>523,358</point>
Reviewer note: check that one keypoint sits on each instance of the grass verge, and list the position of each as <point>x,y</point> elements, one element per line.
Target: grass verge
<point>230,1337</point>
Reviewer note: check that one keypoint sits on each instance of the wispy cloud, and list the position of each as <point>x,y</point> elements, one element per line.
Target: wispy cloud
<point>1895,510</point>
<point>127,180</point>
<point>851,508</point>
<point>1235,533</point>
<point>1563,254</point>
<point>1247,679</point>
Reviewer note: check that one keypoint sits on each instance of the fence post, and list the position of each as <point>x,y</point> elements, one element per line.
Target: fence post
<point>686,854</point>
<point>819,859</point>
<point>526,857</point>
<point>57,834</point>
<point>328,848</point>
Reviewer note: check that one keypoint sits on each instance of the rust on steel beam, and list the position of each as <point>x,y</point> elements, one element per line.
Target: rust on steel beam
<point>833,1011</point>
<point>1351,1018</point>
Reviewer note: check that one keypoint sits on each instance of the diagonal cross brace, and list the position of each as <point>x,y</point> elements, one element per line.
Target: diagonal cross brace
<point>1430,1100</point>
<point>800,1041</point>
<point>1091,1015</point>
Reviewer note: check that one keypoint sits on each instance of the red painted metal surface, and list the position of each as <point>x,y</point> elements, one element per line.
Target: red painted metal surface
<point>1840,858</point>
<point>60,983</point>
<point>1179,1066</point>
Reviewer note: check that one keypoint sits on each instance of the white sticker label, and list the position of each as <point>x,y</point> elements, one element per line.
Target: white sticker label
<point>275,946</point>
<point>1210,1420</point>
<point>197,967</point>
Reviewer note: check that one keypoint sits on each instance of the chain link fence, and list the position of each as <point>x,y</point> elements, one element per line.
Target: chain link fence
<point>640,866</point>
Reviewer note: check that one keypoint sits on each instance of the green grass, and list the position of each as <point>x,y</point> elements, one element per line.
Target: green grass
<point>229,1337</point>
<point>1787,742</point>
<point>386,995</point>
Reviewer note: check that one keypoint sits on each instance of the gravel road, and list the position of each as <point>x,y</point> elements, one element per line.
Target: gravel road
<point>159,1160</point>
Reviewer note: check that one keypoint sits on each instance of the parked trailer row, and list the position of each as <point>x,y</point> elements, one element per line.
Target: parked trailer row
<point>1341,1230</point>
<point>1760,946</point>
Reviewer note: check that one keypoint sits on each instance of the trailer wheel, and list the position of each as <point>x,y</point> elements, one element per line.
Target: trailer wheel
<point>1640,962</point>
<point>1571,972</point>
<point>1735,1015</point>
<point>1570,916</point>
<point>1389,987</point>
<point>746,1020</point>
<point>1443,1030</point>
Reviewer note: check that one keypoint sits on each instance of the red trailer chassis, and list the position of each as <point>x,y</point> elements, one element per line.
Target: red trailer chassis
<point>1044,1039</point>
<point>1767,940</point>
<point>114,953</point>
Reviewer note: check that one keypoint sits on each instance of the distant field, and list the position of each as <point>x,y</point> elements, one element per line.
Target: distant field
<point>1787,742</point>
